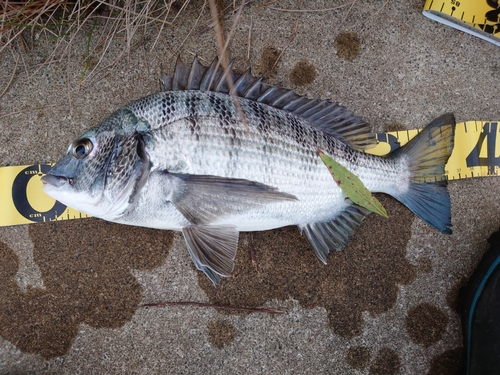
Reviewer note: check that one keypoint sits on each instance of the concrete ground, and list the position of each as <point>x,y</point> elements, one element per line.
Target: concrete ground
<point>71,292</point>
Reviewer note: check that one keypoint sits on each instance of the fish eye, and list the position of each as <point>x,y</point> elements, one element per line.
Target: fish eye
<point>82,148</point>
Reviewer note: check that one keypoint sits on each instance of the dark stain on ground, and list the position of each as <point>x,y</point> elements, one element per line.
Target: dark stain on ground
<point>365,276</point>
<point>348,45</point>
<point>387,362</point>
<point>268,64</point>
<point>451,362</point>
<point>425,324</point>
<point>85,267</point>
<point>394,127</point>
<point>358,357</point>
<point>303,73</point>
<point>424,265</point>
<point>220,333</point>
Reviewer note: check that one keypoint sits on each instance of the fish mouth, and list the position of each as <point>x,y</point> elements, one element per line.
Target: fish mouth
<point>55,181</point>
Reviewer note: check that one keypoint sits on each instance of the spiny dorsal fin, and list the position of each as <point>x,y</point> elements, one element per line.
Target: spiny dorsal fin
<point>332,118</point>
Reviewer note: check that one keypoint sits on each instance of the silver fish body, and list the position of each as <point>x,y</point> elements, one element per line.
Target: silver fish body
<point>200,159</point>
<point>272,147</point>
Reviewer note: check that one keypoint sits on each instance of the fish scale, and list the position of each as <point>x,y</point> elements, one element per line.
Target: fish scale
<point>210,163</point>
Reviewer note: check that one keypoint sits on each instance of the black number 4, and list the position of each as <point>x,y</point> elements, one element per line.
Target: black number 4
<point>490,161</point>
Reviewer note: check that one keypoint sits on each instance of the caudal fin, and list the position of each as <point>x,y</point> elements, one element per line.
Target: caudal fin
<point>427,155</point>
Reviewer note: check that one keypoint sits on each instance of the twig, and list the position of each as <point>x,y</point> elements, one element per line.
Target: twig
<point>191,30</point>
<point>129,12</point>
<point>249,43</point>
<point>290,39</point>
<point>251,250</point>
<point>220,19</point>
<point>27,110</point>
<point>219,34</point>
<point>345,16</point>
<point>267,3</point>
<point>222,47</point>
<point>68,87</point>
<point>11,77</point>
<point>310,10</point>
<point>227,13</point>
<point>162,25</point>
<point>218,307</point>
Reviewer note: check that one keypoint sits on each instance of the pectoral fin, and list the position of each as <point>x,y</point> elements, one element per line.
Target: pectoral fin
<point>212,248</point>
<point>203,198</point>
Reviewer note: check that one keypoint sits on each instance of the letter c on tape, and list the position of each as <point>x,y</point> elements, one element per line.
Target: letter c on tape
<point>20,196</point>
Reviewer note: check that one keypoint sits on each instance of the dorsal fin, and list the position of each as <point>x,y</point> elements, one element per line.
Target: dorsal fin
<point>332,118</point>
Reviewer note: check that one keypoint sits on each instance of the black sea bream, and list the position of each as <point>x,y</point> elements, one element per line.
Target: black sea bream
<point>217,152</point>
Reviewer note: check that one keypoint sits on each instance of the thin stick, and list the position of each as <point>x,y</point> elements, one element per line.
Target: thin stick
<point>68,88</point>
<point>129,12</point>
<point>250,29</point>
<point>309,10</point>
<point>223,55</point>
<point>220,19</point>
<point>251,250</point>
<point>219,34</point>
<point>227,12</point>
<point>191,30</point>
<point>218,307</point>
<point>27,110</point>
<point>11,77</point>
<point>267,3</point>
<point>162,25</point>
<point>290,39</point>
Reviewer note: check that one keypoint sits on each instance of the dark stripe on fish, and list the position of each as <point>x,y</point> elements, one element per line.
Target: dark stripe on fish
<point>224,113</point>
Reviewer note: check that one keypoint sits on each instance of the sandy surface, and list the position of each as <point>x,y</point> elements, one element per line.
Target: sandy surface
<point>70,292</point>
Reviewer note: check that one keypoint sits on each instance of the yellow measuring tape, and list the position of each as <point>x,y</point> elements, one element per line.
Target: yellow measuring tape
<point>477,17</point>
<point>23,200</point>
<point>476,153</point>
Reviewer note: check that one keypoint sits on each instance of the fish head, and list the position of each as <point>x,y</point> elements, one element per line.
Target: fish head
<point>103,170</point>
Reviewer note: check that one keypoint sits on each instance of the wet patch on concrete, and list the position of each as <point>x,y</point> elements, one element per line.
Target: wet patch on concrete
<point>221,333</point>
<point>348,45</point>
<point>85,267</point>
<point>268,64</point>
<point>365,276</point>
<point>425,324</point>
<point>394,127</point>
<point>451,362</point>
<point>386,362</point>
<point>358,357</point>
<point>303,73</point>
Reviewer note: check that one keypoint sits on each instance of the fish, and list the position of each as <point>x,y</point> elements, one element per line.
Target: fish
<point>216,152</point>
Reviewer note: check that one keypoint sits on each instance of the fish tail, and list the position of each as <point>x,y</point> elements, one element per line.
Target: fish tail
<point>427,154</point>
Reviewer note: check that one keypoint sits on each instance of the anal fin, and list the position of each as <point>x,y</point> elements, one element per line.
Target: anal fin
<point>326,236</point>
<point>212,249</point>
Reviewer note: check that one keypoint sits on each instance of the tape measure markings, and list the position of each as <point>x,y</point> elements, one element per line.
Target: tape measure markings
<point>23,200</point>
<point>475,17</point>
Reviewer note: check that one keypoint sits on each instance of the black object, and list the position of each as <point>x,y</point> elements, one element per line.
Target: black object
<point>479,307</point>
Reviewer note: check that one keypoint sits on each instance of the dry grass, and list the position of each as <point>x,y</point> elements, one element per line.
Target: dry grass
<point>24,23</point>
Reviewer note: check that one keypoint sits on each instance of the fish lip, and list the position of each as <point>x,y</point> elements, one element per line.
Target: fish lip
<point>55,181</point>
